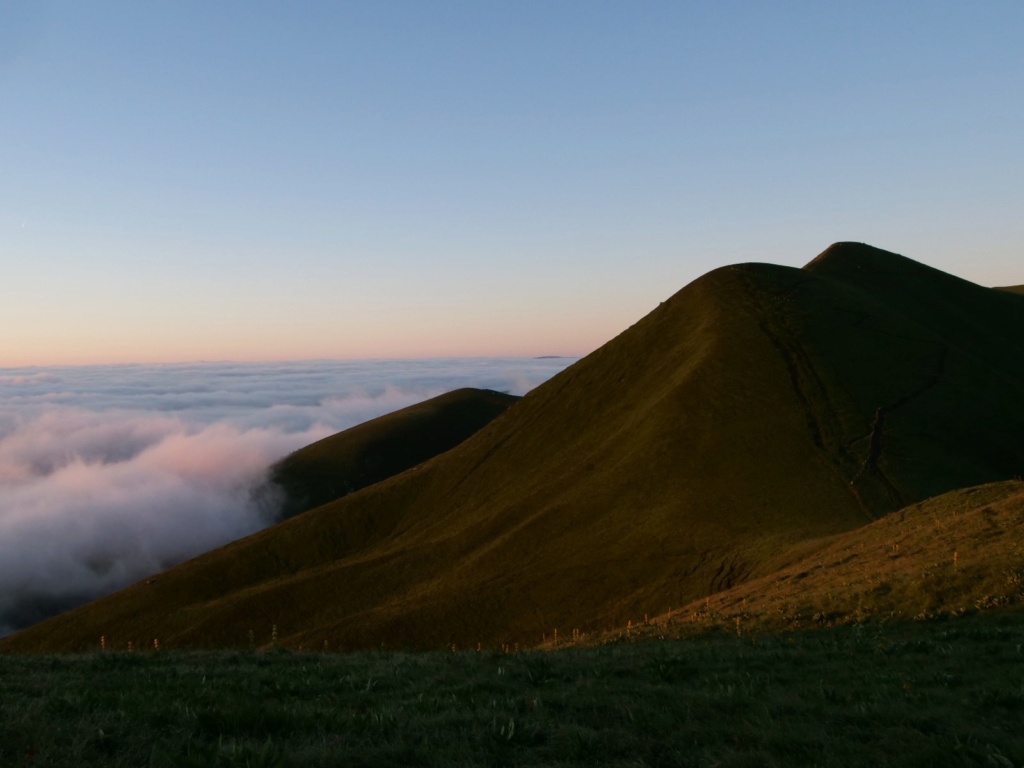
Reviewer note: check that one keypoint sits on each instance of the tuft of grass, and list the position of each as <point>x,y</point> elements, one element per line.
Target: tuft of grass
<point>220,755</point>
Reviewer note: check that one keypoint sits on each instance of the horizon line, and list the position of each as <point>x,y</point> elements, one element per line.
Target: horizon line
<point>284,361</point>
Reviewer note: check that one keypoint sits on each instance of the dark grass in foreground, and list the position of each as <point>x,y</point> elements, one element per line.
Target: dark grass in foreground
<point>919,693</point>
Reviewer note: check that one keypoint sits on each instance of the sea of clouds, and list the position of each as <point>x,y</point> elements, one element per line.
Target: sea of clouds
<point>111,473</point>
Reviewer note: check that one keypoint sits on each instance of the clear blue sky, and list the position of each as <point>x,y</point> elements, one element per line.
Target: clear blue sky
<point>255,180</point>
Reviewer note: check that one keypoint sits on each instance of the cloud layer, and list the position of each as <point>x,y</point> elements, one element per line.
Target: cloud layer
<point>109,474</point>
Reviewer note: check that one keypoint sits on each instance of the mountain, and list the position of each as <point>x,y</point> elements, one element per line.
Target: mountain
<point>1012,288</point>
<point>377,449</point>
<point>758,409</point>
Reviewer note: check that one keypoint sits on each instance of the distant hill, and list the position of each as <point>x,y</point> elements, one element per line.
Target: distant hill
<point>758,409</point>
<point>1012,288</point>
<point>377,449</point>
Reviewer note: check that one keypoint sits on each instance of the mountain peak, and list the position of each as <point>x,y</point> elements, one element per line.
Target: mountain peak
<point>843,258</point>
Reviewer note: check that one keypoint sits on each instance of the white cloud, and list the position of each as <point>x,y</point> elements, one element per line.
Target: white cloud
<point>109,474</point>
<point>14,380</point>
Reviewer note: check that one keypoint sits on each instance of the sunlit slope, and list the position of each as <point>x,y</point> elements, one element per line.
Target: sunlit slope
<point>1012,288</point>
<point>377,449</point>
<point>686,455</point>
<point>959,552</point>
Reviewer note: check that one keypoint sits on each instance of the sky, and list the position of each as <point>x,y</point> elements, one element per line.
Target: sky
<point>109,474</point>
<point>251,180</point>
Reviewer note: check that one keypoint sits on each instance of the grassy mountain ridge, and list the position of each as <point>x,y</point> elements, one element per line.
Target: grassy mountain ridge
<point>382,447</point>
<point>758,408</point>
<point>960,552</point>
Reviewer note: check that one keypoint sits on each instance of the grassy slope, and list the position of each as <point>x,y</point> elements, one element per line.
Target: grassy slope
<point>686,455</point>
<point>388,445</point>
<point>956,553</point>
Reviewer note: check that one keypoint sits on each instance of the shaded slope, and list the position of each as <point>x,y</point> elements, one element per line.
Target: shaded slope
<point>925,373</point>
<point>688,454</point>
<point>958,552</point>
<point>377,449</point>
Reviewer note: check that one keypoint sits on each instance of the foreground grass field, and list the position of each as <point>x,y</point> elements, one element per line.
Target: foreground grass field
<point>930,693</point>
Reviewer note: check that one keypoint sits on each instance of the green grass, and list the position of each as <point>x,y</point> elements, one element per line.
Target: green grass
<point>920,693</point>
<point>953,554</point>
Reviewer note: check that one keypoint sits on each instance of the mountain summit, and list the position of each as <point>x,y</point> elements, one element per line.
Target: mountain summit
<point>758,409</point>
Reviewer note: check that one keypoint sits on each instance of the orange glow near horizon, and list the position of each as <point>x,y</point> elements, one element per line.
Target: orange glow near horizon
<point>316,335</point>
<point>117,352</point>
